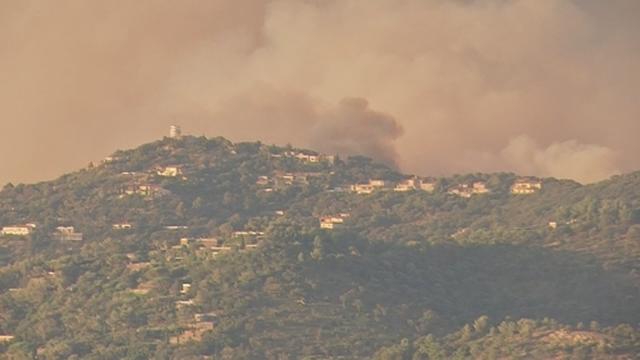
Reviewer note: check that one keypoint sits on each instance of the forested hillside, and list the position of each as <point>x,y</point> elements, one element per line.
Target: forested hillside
<point>198,248</point>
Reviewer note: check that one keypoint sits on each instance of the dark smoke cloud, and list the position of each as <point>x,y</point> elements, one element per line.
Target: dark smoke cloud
<point>349,127</point>
<point>354,129</point>
<point>544,87</point>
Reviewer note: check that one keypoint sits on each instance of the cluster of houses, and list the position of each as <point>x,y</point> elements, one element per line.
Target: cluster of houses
<point>61,233</point>
<point>212,245</point>
<point>522,186</point>
<point>405,185</point>
<point>216,246</point>
<point>332,222</point>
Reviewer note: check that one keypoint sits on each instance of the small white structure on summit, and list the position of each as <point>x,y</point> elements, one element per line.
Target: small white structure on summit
<point>175,132</point>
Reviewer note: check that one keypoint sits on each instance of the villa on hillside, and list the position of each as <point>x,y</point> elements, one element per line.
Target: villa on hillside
<point>6,338</point>
<point>332,222</point>
<point>122,226</point>
<point>18,230</point>
<point>138,266</point>
<point>480,187</point>
<point>378,183</point>
<point>298,178</point>
<point>142,289</point>
<point>467,191</point>
<point>186,287</point>
<point>248,233</point>
<point>406,185</point>
<point>427,185</point>
<point>526,186</point>
<point>110,159</point>
<point>144,190</point>
<point>208,243</point>
<point>363,189</point>
<point>370,187</point>
<point>415,183</point>
<point>462,190</point>
<point>170,171</point>
<point>263,180</point>
<point>67,233</point>
<point>175,227</point>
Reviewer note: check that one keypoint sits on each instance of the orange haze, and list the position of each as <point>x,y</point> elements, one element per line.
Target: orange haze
<point>545,87</point>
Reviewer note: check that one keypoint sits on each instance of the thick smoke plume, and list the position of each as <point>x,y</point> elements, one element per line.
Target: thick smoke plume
<point>546,87</point>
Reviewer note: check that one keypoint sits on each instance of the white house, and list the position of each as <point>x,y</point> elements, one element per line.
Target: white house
<point>480,187</point>
<point>67,233</point>
<point>175,132</point>
<point>526,186</point>
<point>362,189</point>
<point>428,186</point>
<point>186,287</point>
<point>377,183</point>
<point>122,226</point>
<point>461,190</point>
<point>6,338</point>
<point>18,230</point>
<point>406,185</point>
<point>170,171</point>
<point>331,222</point>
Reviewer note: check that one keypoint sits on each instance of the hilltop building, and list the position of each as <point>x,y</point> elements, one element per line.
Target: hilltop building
<point>175,132</point>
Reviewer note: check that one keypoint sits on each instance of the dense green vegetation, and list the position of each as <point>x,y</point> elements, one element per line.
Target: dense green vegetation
<point>409,275</point>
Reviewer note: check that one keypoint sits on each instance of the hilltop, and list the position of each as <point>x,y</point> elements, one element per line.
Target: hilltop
<point>191,247</point>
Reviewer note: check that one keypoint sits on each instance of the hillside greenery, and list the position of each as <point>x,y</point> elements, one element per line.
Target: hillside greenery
<point>409,275</point>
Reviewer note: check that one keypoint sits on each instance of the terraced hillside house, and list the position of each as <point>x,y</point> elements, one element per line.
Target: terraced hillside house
<point>18,230</point>
<point>526,186</point>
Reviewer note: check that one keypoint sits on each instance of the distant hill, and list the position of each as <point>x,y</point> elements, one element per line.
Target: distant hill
<point>195,248</point>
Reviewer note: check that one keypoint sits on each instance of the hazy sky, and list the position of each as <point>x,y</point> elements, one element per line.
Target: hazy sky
<point>545,87</point>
